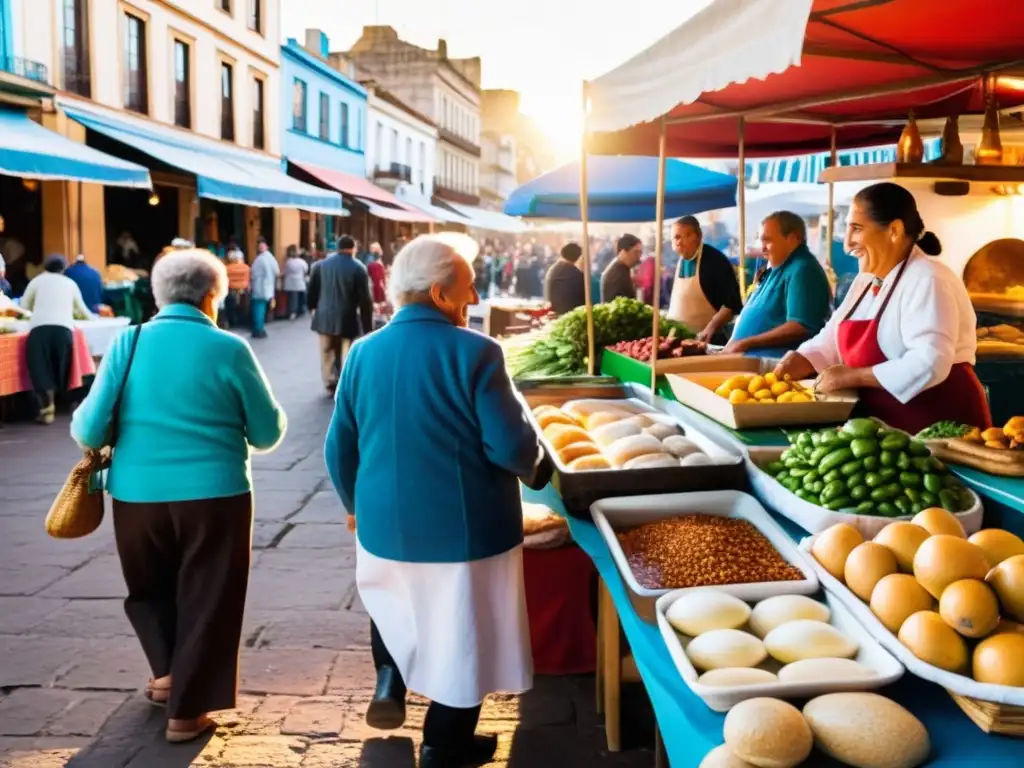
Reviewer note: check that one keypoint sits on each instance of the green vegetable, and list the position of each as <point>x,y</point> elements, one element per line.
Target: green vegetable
<point>913,494</point>
<point>949,500</point>
<point>944,429</point>
<point>832,490</point>
<point>861,427</point>
<point>836,504</point>
<point>929,499</point>
<point>832,476</point>
<point>817,487</point>
<point>850,468</point>
<point>951,481</point>
<point>910,479</point>
<point>854,480</point>
<point>933,483</point>
<point>792,484</point>
<point>886,509</point>
<point>903,461</point>
<point>903,505</point>
<point>803,493</point>
<point>894,441</point>
<point>864,446</point>
<point>871,463</point>
<point>888,474</point>
<point>809,479</point>
<point>835,459</point>
<point>818,454</point>
<point>917,448</point>
<point>775,467</point>
<point>887,458</point>
<point>873,480</point>
<point>865,508</point>
<point>797,472</point>
<point>844,437</point>
<point>965,499</point>
<point>804,440</point>
<point>860,493</point>
<point>828,438</point>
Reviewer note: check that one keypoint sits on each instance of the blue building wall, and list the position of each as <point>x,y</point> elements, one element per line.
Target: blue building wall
<point>344,145</point>
<point>6,35</point>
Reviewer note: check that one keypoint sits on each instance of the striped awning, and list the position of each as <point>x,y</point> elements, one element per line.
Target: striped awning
<point>805,169</point>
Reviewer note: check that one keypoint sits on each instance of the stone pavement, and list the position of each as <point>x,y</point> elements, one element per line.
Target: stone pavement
<point>70,669</point>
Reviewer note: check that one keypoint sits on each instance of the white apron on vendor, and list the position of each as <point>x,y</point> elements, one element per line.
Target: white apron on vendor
<point>703,285</point>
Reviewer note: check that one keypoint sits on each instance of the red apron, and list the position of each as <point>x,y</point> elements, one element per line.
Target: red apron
<point>959,398</point>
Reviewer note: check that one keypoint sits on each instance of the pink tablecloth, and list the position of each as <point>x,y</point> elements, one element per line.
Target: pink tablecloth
<point>14,363</point>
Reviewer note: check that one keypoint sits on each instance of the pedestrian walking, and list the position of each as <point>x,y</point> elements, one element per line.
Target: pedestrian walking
<point>262,287</point>
<point>339,298</point>
<point>195,402</point>
<point>439,562</point>
<point>296,275</point>
<point>238,285</point>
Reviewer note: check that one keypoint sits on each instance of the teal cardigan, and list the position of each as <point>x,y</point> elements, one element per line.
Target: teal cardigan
<point>195,402</point>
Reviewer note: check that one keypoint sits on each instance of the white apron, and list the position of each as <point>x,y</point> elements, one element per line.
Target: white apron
<point>457,631</point>
<point>688,304</point>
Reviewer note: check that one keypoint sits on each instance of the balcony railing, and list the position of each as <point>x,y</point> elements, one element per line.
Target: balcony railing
<point>30,70</point>
<point>455,140</point>
<point>454,195</point>
<point>395,171</point>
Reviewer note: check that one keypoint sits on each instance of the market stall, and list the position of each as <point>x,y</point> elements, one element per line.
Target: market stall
<point>14,377</point>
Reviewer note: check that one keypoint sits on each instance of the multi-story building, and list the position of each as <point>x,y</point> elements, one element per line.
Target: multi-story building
<point>499,111</point>
<point>402,144</point>
<point>497,169</point>
<point>445,90</point>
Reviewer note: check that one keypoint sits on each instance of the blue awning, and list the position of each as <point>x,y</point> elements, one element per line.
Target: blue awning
<point>623,189</point>
<point>223,172</point>
<point>807,168</point>
<point>30,151</point>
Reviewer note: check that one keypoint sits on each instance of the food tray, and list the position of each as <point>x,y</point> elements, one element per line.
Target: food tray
<point>581,489</point>
<point>611,515</point>
<point>952,682</point>
<point>993,461</point>
<point>699,363</point>
<point>815,519</point>
<point>723,698</point>
<point>697,391</point>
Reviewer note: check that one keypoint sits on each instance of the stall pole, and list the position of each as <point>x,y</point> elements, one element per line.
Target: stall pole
<point>741,204</point>
<point>659,239</point>
<point>830,233</point>
<point>586,239</point>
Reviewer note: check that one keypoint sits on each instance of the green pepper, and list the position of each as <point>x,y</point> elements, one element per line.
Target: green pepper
<point>949,500</point>
<point>864,446</point>
<point>791,484</point>
<point>817,487</point>
<point>828,438</point>
<point>832,476</point>
<point>818,454</point>
<point>913,494</point>
<point>861,427</point>
<point>850,468</point>
<point>887,458</point>
<point>888,474</point>
<point>803,440</point>
<point>894,490</point>
<point>775,468</point>
<point>929,499</point>
<point>910,479</point>
<point>854,480</point>
<point>865,508</point>
<point>832,490</point>
<point>903,505</point>
<point>809,479</point>
<point>836,504</point>
<point>917,448</point>
<point>835,459</point>
<point>894,441</point>
<point>794,461</point>
<point>879,494</point>
<point>816,439</point>
<point>887,509</point>
<point>873,480</point>
<point>844,437</point>
<point>932,483</point>
<point>860,493</point>
<point>903,461</point>
<point>871,463</point>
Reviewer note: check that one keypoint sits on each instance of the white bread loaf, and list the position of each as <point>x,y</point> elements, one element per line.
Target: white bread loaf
<point>609,433</point>
<point>626,448</point>
<point>661,430</point>
<point>585,463</point>
<point>649,460</point>
<point>561,435</point>
<point>546,418</point>
<point>600,418</point>
<point>576,450</point>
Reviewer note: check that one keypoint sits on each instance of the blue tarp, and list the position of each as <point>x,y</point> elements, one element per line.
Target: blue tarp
<point>223,172</point>
<point>30,151</point>
<point>623,189</point>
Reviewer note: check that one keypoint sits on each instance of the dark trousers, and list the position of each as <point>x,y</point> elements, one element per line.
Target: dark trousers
<point>296,303</point>
<point>233,309</point>
<point>186,565</point>
<point>48,351</point>
<point>443,726</point>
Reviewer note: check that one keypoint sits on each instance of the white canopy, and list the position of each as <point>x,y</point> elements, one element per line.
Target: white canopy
<point>730,41</point>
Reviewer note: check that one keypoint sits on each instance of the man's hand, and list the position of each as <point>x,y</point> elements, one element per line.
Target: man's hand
<point>705,335</point>
<point>736,347</point>
<point>350,521</point>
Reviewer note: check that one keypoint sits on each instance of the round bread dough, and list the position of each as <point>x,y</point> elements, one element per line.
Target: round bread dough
<point>867,730</point>
<point>725,648</point>
<point>574,451</point>
<point>600,418</point>
<point>626,448</point>
<point>775,611</point>
<point>561,435</point>
<point>722,757</point>
<point>617,430</point>
<point>701,610</point>
<point>768,733</point>
<point>808,639</point>
<point>643,421</point>
<point>546,418</point>
<point>727,677</point>
<point>586,463</point>
<point>661,430</point>
<point>680,446</point>
<point>825,668</point>
<point>649,460</point>
<point>696,460</point>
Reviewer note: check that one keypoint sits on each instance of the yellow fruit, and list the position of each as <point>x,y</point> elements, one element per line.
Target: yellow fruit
<point>998,545</point>
<point>755,384</point>
<point>737,382</point>
<point>970,607</point>
<point>833,545</point>
<point>801,397</point>
<point>1007,579</point>
<point>937,521</point>
<point>897,597</point>
<point>997,660</point>
<point>723,391</point>
<point>763,394</point>
<point>868,564</point>
<point>738,396</point>
<point>903,539</point>
<point>941,560</point>
<point>780,388</point>
<point>785,397</point>
<point>932,641</point>
<point>771,379</point>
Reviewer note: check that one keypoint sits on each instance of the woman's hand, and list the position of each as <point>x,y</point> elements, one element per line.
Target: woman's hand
<point>794,365</point>
<point>840,377</point>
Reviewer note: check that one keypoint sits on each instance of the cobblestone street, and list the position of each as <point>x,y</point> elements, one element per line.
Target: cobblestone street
<point>71,670</point>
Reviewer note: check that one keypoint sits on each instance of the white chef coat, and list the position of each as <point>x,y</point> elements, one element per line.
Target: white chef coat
<point>53,298</point>
<point>928,326</point>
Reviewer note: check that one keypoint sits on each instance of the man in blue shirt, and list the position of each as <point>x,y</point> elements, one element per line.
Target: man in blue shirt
<point>791,301</point>
<point>89,282</point>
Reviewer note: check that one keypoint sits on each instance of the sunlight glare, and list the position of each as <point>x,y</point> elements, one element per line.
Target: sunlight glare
<point>559,118</point>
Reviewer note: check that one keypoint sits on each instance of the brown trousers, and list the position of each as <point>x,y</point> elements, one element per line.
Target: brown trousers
<point>186,565</point>
<point>333,351</point>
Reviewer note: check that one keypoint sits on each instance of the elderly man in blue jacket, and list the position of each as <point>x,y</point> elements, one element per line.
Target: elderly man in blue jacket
<point>426,450</point>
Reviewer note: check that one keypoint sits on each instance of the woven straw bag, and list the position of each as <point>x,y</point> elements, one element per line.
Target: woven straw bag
<point>78,509</point>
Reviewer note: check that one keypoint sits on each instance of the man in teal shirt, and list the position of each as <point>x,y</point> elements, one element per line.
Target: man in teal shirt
<point>792,300</point>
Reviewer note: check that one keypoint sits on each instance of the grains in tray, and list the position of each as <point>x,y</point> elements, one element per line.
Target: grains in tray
<point>702,550</point>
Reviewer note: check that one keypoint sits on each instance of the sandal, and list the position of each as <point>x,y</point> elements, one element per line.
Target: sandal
<point>158,695</point>
<point>190,731</point>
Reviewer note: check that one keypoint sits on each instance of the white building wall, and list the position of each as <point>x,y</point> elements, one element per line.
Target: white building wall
<point>383,118</point>
<point>213,35</point>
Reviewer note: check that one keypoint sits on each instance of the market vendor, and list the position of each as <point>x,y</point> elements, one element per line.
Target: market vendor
<point>791,300</point>
<point>905,334</point>
<point>705,291</point>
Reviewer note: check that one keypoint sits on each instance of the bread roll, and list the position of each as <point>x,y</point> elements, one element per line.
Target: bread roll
<point>545,408</point>
<point>626,448</point>
<point>561,435</point>
<point>649,460</point>
<point>583,408</point>
<point>680,446</point>
<point>574,451</point>
<point>585,463</point>
<point>600,418</point>
<point>546,418</point>
<point>609,433</point>
<point>643,421</point>
<point>661,430</point>
<point>696,460</point>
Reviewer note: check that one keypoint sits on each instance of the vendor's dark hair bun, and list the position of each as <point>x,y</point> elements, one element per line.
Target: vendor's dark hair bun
<point>886,202</point>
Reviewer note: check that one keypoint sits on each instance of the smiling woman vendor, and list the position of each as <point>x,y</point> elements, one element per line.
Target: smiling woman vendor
<point>791,301</point>
<point>905,334</point>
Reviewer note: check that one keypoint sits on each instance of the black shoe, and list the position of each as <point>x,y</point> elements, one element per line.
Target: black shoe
<point>387,710</point>
<point>479,752</point>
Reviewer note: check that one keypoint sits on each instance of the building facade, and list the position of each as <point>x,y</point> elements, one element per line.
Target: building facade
<point>500,115</point>
<point>497,169</point>
<point>402,144</point>
<point>445,90</point>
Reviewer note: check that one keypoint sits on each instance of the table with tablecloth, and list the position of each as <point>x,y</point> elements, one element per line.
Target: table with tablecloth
<point>14,375</point>
<point>99,333</point>
<point>688,729</point>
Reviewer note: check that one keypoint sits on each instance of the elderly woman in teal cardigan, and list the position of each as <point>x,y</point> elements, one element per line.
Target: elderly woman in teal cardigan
<point>426,449</point>
<point>195,404</point>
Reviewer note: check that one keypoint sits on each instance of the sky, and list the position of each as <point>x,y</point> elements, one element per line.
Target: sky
<point>542,48</point>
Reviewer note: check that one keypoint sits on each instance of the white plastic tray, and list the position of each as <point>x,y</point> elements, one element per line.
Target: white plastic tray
<point>961,684</point>
<point>816,519</point>
<point>615,514</point>
<point>723,698</point>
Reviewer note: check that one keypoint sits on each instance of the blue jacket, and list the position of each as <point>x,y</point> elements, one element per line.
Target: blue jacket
<point>428,442</point>
<point>89,282</point>
<point>195,401</point>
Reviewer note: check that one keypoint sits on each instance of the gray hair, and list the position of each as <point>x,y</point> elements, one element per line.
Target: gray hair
<point>428,260</point>
<point>789,223</point>
<point>235,255</point>
<point>188,277</point>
